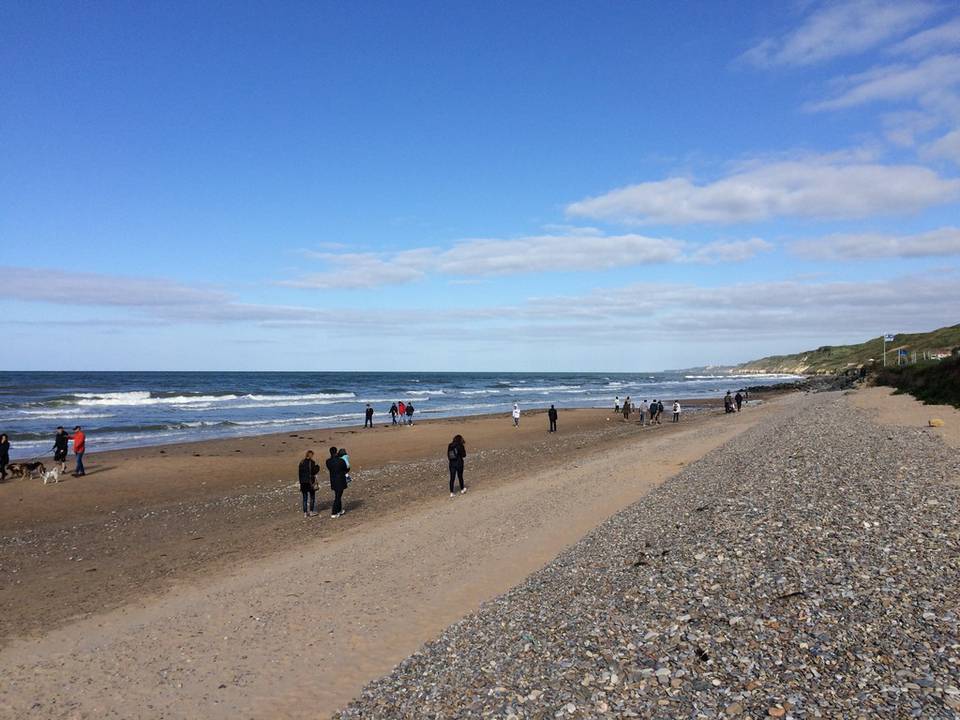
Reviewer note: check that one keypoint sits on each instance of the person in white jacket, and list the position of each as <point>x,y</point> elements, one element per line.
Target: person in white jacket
<point>676,411</point>
<point>516,415</point>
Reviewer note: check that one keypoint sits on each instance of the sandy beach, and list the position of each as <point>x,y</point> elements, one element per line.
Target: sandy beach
<point>181,569</point>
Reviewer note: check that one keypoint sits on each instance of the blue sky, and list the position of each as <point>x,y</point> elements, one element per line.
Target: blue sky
<point>451,186</point>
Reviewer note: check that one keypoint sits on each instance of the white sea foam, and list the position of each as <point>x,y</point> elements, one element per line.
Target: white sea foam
<point>139,398</point>
<point>144,398</point>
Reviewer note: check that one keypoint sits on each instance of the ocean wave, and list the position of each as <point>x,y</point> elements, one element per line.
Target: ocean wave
<point>146,398</point>
<point>546,388</point>
<point>49,414</point>
<point>268,422</point>
<point>143,397</point>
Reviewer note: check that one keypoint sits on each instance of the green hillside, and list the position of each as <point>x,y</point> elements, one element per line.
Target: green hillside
<point>837,358</point>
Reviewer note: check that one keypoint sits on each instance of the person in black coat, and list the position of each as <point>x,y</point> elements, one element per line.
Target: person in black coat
<point>338,481</point>
<point>368,417</point>
<point>552,415</point>
<point>60,441</point>
<point>456,452</point>
<point>4,456</point>
<point>307,473</point>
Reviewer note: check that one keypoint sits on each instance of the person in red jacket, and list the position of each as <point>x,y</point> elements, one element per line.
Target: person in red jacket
<point>79,447</point>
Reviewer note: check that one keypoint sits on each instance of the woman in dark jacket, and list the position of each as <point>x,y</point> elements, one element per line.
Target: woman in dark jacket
<point>308,483</point>
<point>4,456</point>
<point>60,441</point>
<point>338,481</point>
<point>456,452</point>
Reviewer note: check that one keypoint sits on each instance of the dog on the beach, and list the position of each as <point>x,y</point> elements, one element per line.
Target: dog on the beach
<point>51,476</point>
<point>26,469</point>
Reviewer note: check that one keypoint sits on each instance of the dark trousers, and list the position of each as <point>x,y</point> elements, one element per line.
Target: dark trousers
<point>3,469</point>
<point>394,419</point>
<point>337,502</point>
<point>676,417</point>
<point>80,470</point>
<point>553,426</point>
<point>309,494</point>
<point>456,471</point>
<point>368,422</point>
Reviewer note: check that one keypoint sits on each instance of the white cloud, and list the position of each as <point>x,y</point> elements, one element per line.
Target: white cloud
<point>892,83</point>
<point>610,316</point>
<point>79,288</point>
<point>733,251</point>
<point>810,188</point>
<point>160,300</point>
<point>947,147</point>
<point>360,270</point>
<point>934,39</point>
<point>774,310</point>
<point>941,242</point>
<point>576,250</point>
<point>903,128</point>
<point>839,29</point>
<point>556,252</point>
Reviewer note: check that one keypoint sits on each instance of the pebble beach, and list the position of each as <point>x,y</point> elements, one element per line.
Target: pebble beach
<point>808,568</point>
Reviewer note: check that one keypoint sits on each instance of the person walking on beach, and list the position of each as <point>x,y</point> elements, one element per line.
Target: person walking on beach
<point>60,441</point>
<point>79,448</point>
<point>393,413</point>
<point>307,472</point>
<point>653,412</point>
<point>659,411</point>
<point>616,404</point>
<point>644,409</point>
<point>456,452</point>
<point>4,456</point>
<point>409,413</point>
<point>337,469</point>
<point>368,417</point>
<point>552,416</point>
<point>626,408</point>
<point>516,415</point>
<point>676,411</point>
<point>402,409</point>
<point>738,399</point>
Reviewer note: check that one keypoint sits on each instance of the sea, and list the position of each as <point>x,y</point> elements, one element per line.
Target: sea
<point>133,409</point>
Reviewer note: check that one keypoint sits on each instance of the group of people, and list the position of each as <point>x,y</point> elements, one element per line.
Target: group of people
<point>338,468</point>
<point>61,441</point>
<point>403,411</point>
<point>733,403</point>
<point>649,412</point>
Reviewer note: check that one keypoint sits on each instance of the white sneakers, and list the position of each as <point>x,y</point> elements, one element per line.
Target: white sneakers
<point>462,490</point>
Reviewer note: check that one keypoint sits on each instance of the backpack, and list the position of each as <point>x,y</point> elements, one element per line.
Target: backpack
<point>453,453</point>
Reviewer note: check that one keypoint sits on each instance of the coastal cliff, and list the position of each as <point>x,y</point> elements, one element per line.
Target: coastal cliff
<point>832,359</point>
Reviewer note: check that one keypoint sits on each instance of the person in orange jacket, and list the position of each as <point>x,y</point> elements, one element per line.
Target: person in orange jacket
<point>79,447</point>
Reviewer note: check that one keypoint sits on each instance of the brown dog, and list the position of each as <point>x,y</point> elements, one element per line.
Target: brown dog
<point>26,469</point>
